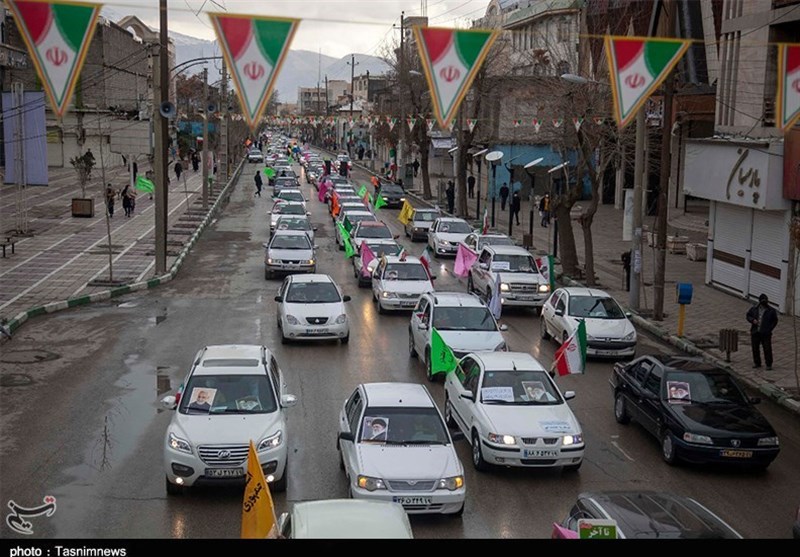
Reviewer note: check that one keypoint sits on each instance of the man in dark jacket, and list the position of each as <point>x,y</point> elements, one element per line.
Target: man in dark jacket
<point>763,319</point>
<point>503,196</point>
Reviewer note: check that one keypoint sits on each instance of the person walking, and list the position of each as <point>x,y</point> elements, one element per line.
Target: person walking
<point>178,169</point>
<point>544,209</point>
<point>451,196</point>
<point>503,196</point>
<point>763,319</point>
<point>259,183</point>
<point>416,166</point>
<point>111,194</point>
<point>195,161</point>
<point>471,186</point>
<point>516,205</point>
<point>126,200</point>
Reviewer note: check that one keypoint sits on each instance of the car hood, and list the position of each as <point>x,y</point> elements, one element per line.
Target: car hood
<point>721,420</point>
<point>407,286</point>
<point>471,341</point>
<point>452,237</point>
<point>399,462</point>
<point>531,421</point>
<point>292,254</point>
<point>392,194</point>
<point>521,278</point>
<point>213,429</point>
<point>604,328</point>
<point>332,310</point>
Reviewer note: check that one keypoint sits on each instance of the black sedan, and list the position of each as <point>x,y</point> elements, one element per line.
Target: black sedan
<point>697,411</point>
<point>393,195</point>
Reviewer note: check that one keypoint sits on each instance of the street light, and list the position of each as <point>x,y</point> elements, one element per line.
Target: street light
<point>494,157</point>
<point>555,226</point>
<point>476,158</point>
<point>528,168</point>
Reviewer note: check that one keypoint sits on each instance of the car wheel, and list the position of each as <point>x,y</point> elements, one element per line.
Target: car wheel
<point>279,486</point>
<point>448,413</point>
<point>173,489</point>
<point>284,338</point>
<point>345,340</point>
<point>267,274</point>
<point>669,452</point>
<point>470,284</point>
<point>412,352</point>
<point>477,454</point>
<point>428,370</point>
<point>459,513</point>
<point>620,409</point>
<point>543,330</point>
<point>573,467</point>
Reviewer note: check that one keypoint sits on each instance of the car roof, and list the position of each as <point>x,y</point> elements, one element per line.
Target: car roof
<point>452,219</point>
<point>397,395</point>
<point>282,232</point>
<point>425,210</point>
<point>312,277</point>
<point>684,363</point>
<point>583,291</point>
<point>498,361</point>
<point>232,352</point>
<point>451,299</point>
<point>408,259</point>
<point>349,518</point>
<point>507,250</point>
<point>649,514</point>
<point>373,223</point>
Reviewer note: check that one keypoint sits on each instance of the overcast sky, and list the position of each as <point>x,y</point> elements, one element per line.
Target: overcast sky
<point>324,21</point>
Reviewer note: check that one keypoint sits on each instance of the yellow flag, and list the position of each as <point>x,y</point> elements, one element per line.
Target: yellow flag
<point>258,513</point>
<point>406,213</point>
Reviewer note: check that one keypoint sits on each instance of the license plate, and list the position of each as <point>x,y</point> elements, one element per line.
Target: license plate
<point>316,331</point>
<point>412,500</point>
<point>224,472</point>
<point>605,352</point>
<point>408,304</point>
<point>729,453</point>
<point>525,298</point>
<point>539,453</point>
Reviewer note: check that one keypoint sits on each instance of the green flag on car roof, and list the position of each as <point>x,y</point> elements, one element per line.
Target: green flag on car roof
<point>442,358</point>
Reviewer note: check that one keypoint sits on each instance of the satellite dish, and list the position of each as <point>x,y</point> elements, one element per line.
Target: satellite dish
<point>211,108</point>
<point>494,156</point>
<point>534,163</point>
<point>167,110</point>
<point>559,167</point>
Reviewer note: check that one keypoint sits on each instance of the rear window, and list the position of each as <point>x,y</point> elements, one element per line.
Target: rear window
<point>230,362</point>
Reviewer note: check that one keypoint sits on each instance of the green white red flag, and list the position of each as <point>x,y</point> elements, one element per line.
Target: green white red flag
<point>788,95</point>
<point>254,48</point>
<point>57,35</point>
<point>451,58</point>
<point>571,355</point>
<point>637,66</point>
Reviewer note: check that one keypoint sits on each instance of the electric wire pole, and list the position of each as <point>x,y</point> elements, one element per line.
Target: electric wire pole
<point>205,139</point>
<point>161,96</point>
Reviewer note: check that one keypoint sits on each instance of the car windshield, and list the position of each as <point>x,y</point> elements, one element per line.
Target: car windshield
<point>312,293</point>
<point>293,224</point>
<point>516,263</point>
<point>289,209</point>
<point>405,271</point>
<point>395,190</point>
<point>706,387</point>
<point>291,196</point>
<point>425,216</point>
<point>463,319</point>
<point>527,387</point>
<point>287,241</point>
<point>495,241</point>
<point>355,219</point>
<point>228,394</point>
<point>374,232</point>
<point>454,227</point>
<point>380,248</point>
<point>255,152</point>
<point>595,307</point>
<point>403,426</point>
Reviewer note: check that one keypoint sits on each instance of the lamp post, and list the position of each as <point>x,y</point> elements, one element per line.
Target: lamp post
<point>494,157</point>
<point>555,226</point>
<point>510,169</point>
<point>476,157</point>
<point>531,172</point>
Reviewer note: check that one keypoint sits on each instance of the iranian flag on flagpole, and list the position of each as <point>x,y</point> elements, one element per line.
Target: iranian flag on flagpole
<point>637,66</point>
<point>571,355</point>
<point>57,35</point>
<point>254,48</point>
<point>451,58</point>
<point>788,96</point>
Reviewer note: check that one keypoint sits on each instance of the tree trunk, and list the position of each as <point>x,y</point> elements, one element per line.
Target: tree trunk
<point>423,162</point>
<point>566,241</point>
<point>461,174</point>
<point>588,245</point>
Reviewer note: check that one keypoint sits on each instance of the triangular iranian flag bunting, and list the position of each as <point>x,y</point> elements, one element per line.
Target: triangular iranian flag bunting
<point>637,66</point>
<point>471,124</point>
<point>451,59</point>
<point>571,355</point>
<point>57,35</point>
<point>788,95</point>
<point>254,48</point>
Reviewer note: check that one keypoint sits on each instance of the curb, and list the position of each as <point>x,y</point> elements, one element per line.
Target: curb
<point>16,322</point>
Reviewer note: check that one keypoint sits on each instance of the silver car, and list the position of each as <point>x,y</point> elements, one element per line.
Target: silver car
<point>289,251</point>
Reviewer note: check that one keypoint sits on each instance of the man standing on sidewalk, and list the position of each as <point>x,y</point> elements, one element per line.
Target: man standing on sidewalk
<point>516,205</point>
<point>503,196</point>
<point>763,319</point>
<point>259,183</point>
<point>471,186</point>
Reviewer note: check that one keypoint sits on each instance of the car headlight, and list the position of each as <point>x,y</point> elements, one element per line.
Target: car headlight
<point>370,484</point>
<point>341,319</point>
<point>389,294</point>
<point>273,261</point>
<point>310,261</point>
<point>444,242</point>
<point>402,199</point>
<point>179,444</point>
<point>270,442</point>
<point>768,442</point>
<point>501,439</point>
<point>575,439</point>
<point>504,287</point>
<point>544,288</point>
<point>630,336</point>
<point>502,347</point>
<point>417,229</point>
<point>292,320</point>
<point>700,439</point>
<point>456,482</point>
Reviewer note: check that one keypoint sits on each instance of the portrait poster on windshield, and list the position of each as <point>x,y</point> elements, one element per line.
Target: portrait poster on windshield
<point>678,392</point>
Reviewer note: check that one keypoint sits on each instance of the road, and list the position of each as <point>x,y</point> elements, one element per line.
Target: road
<point>81,419</point>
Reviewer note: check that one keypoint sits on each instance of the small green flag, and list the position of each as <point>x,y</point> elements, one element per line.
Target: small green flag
<point>442,358</point>
<point>349,251</point>
<point>269,172</point>
<point>379,202</point>
<point>143,184</point>
<point>348,226</point>
<point>363,191</point>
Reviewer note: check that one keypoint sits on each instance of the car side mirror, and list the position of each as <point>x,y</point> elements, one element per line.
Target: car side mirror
<point>422,326</point>
<point>433,277</point>
<point>278,298</point>
<point>287,401</point>
<point>559,312</point>
<point>468,396</point>
<point>314,228</point>
<point>346,436</point>
<point>503,327</point>
<point>396,236</point>
<point>628,314</point>
<point>484,266</point>
<point>265,245</point>
<point>569,395</point>
<point>169,402</point>
<point>308,213</point>
<point>346,298</point>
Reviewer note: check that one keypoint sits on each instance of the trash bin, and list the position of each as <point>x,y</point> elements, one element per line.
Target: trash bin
<point>728,342</point>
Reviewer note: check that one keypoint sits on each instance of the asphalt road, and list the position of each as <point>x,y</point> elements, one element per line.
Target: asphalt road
<point>81,420</point>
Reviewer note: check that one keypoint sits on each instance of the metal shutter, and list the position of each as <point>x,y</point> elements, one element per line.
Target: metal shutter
<point>732,227</point>
<point>770,249</point>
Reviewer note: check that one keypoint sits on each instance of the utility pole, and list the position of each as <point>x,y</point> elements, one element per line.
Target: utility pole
<point>222,159</point>
<point>401,59</point>
<point>205,139</point>
<point>18,96</point>
<point>638,178</point>
<point>161,127</point>
<point>327,112</point>
<point>353,65</point>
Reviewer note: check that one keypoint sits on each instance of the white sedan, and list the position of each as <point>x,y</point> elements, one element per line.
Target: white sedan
<point>609,332</point>
<point>311,307</point>
<point>512,412</point>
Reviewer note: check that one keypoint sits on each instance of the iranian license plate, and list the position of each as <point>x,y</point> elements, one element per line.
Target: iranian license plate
<point>539,453</point>
<point>525,298</point>
<point>606,352</point>
<point>412,500</point>
<point>316,331</point>
<point>224,472</point>
<point>730,453</point>
<point>408,304</point>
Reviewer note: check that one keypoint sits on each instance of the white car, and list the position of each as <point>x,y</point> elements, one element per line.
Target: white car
<point>521,283</point>
<point>445,234</point>
<point>609,332</point>
<point>394,446</point>
<point>355,216</point>
<point>232,395</point>
<point>281,207</point>
<point>292,195</point>
<point>254,155</point>
<point>512,413</point>
<point>289,251</point>
<point>397,284</point>
<point>297,222</point>
<point>345,519</point>
<point>378,248</point>
<point>476,241</point>
<point>370,230</point>
<point>419,224</point>
<point>311,307</point>
<point>462,320</point>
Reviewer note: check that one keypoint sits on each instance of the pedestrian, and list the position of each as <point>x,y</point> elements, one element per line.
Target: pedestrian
<point>89,156</point>
<point>132,196</point>
<point>763,319</point>
<point>126,200</point>
<point>361,152</point>
<point>516,205</point>
<point>195,161</point>
<point>503,196</point>
<point>178,169</point>
<point>416,166</point>
<point>111,194</point>
<point>259,183</point>
<point>135,170</point>
<point>544,210</point>
<point>471,186</point>
<point>451,196</point>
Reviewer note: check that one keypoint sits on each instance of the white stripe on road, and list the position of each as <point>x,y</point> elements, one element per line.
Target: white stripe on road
<point>64,239</point>
<point>629,457</point>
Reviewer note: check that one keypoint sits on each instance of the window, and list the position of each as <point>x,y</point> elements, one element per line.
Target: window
<point>472,373</point>
<point>422,305</point>
<point>563,30</point>
<point>464,319</point>
<point>353,410</point>
<point>653,381</point>
<point>486,257</point>
<point>312,293</point>
<point>561,304</point>
<point>399,425</point>
<point>228,394</point>
<point>274,371</point>
<point>595,308</point>
<point>523,387</point>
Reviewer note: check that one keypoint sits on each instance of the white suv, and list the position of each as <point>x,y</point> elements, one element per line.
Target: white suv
<point>521,283</point>
<point>233,394</point>
<point>445,235</point>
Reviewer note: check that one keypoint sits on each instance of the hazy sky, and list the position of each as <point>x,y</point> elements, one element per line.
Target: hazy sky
<point>324,24</point>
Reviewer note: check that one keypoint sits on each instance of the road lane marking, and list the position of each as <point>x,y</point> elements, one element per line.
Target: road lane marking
<point>626,455</point>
